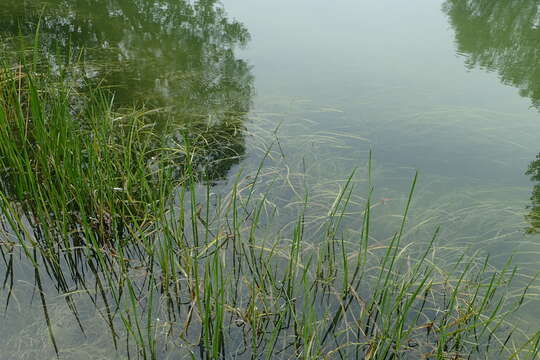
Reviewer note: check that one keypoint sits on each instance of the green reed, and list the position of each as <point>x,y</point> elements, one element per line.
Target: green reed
<point>103,202</point>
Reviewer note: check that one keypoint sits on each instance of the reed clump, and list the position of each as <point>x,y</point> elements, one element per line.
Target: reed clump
<point>99,200</point>
<point>78,164</point>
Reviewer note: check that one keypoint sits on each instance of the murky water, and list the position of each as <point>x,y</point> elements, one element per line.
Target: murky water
<point>451,89</point>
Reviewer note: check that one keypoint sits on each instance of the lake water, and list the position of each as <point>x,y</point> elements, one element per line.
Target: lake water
<point>450,89</point>
<point>446,88</point>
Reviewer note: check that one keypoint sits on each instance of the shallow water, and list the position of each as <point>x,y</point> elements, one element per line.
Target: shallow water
<point>450,89</point>
<point>445,88</point>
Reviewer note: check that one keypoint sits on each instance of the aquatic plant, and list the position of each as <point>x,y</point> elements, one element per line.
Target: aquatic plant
<point>100,205</point>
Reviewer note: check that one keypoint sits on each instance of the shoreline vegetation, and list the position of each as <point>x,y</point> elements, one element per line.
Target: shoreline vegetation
<point>103,204</point>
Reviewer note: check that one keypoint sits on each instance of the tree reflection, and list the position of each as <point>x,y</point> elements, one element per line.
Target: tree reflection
<point>501,36</point>
<point>504,36</point>
<point>533,217</point>
<point>175,55</point>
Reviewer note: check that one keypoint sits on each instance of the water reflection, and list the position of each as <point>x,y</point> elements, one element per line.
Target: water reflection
<point>534,214</point>
<point>178,56</point>
<point>500,36</point>
<point>504,37</point>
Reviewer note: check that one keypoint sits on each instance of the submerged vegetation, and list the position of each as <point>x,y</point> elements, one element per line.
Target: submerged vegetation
<point>100,204</point>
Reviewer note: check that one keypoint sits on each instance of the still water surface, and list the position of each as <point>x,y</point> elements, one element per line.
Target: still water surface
<point>451,89</point>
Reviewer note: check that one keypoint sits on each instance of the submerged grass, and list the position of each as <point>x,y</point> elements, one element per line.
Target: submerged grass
<point>103,205</point>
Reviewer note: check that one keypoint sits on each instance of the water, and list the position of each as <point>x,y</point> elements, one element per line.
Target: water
<point>447,88</point>
<point>399,75</point>
<point>451,89</point>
